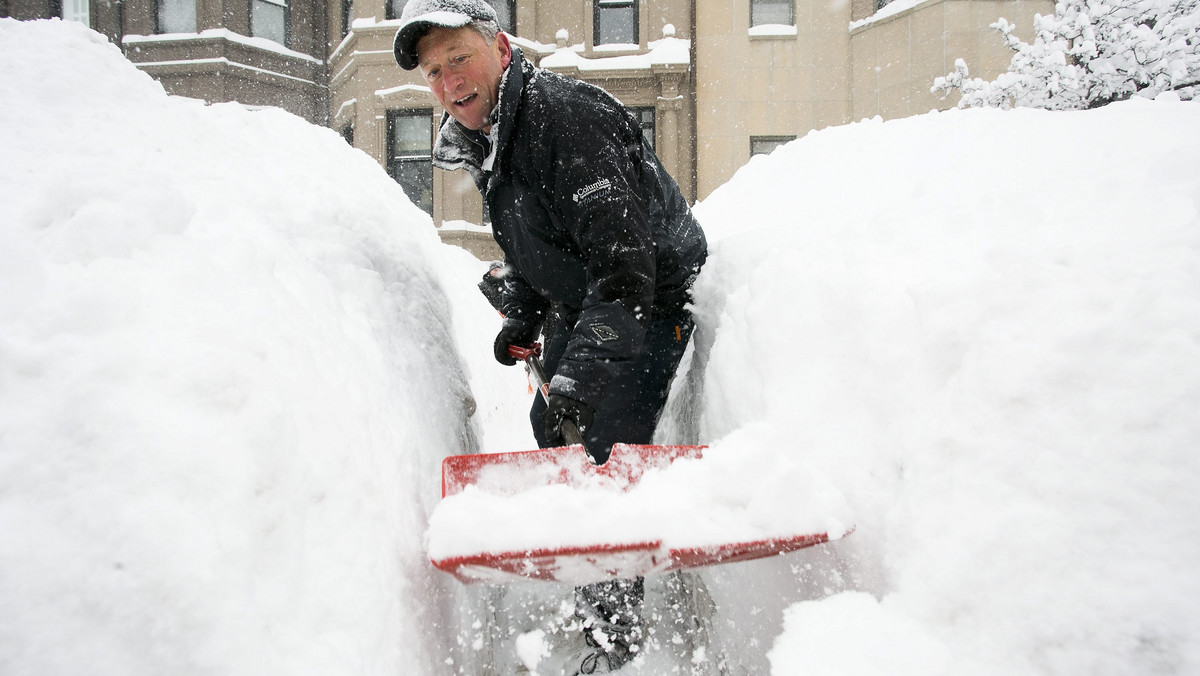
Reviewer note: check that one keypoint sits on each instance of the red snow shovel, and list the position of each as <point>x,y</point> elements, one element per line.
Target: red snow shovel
<point>513,473</point>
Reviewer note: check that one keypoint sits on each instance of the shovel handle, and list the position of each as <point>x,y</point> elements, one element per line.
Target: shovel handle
<point>529,354</point>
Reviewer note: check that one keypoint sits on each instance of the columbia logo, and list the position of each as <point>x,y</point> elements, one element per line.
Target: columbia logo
<point>604,332</point>
<point>602,184</point>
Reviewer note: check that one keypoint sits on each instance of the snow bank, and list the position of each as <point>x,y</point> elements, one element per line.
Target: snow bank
<point>984,327</point>
<point>226,380</point>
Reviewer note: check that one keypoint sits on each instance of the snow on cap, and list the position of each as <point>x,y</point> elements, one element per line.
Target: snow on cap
<point>421,15</point>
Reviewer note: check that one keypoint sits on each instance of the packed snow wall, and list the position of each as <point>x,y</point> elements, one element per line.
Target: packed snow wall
<point>227,377</point>
<point>983,327</point>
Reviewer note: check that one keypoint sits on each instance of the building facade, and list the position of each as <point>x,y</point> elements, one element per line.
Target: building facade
<point>712,81</point>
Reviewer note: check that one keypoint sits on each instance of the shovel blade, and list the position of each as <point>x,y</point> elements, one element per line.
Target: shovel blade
<point>513,473</point>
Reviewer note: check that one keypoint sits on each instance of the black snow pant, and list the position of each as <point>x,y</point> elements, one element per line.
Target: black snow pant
<point>611,610</point>
<point>632,403</point>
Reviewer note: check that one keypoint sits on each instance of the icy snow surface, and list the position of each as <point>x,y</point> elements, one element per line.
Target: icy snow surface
<point>227,379</point>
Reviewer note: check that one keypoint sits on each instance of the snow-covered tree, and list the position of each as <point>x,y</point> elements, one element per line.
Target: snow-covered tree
<point>1090,53</point>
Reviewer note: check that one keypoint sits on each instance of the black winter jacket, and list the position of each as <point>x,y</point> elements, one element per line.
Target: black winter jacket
<point>586,215</point>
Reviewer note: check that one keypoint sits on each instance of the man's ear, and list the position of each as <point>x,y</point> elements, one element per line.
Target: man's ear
<point>505,49</point>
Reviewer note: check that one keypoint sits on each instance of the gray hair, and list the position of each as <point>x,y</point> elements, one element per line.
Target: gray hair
<point>487,29</point>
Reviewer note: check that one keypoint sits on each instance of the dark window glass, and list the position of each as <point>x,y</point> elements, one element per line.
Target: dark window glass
<point>764,145</point>
<point>347,16</point>
<point>772,12</point>
<point>506,12</point>
<point>395,8</point>
<point>76,10</point>
<point>268,19</point>
<point>176,16</point>
<point>615,22</point>
<point>348,134</point>
<point>410,148</point>
<point>645,116</point>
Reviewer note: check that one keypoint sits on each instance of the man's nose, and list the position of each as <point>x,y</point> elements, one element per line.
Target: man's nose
<point>451,82</point>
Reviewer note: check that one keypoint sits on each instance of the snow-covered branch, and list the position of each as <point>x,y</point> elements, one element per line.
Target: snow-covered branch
<point>1090,53</point>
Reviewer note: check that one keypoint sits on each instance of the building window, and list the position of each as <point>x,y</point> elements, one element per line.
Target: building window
<point>764,12</point>
<point>615,22</point>
<point>765,145</point>
<point>176,16</point>
<point>880,4</point>
<point>506,11</point>
<point>347,16</point>
<point>75,10</point>
<point>348,134</point>
<point>268,19</point>
<point>395,8</point>
<point>410,154</point>
<point>645,118</point>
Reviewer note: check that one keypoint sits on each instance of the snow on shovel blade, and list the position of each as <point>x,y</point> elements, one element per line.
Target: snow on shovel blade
<point>511,474</point>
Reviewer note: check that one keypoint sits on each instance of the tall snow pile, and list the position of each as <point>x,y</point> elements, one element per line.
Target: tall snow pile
<point>984,326</point>
<point>226,380</point>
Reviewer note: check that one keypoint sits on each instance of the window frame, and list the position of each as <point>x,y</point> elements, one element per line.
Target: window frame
<point>762,3</point>
<point>639,112</point>
<point>511,7</point>
<point>394,161</point>
<point>347,12</point>
<point>599,5</point>
<point>58,8</point>
<point>776,139</point>
<point>158,12</point>
<point>287,20</point>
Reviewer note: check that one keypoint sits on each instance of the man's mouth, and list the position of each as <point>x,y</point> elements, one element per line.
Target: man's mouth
<point>466,99</point>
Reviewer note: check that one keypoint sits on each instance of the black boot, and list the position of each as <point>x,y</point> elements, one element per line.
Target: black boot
<point>612,622</point>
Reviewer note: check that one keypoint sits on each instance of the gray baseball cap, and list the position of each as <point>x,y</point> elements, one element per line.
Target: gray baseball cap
<point>421,15</point>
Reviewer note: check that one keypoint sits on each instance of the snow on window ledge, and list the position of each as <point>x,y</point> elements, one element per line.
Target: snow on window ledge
<point>893,8</point>
<point>773,30</point>
<point>221,34</point>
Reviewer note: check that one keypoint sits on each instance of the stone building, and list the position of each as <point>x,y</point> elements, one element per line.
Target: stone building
<point>713,81</point>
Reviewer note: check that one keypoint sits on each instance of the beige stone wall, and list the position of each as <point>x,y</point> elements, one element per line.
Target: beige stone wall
<point>777,85</point>
<point>215,68</point>
<point>897,58</point>
<point>830,72</point>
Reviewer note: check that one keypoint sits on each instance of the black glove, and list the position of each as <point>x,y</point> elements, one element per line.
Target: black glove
<point>513,332</point>
<point>560,408</point>
<point>492,285</point>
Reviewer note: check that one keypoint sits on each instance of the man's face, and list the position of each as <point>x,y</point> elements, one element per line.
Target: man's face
<point>464,72</point>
